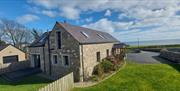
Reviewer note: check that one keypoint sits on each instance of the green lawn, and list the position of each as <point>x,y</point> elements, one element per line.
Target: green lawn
<point>32,83</point>
<point>141,77</point>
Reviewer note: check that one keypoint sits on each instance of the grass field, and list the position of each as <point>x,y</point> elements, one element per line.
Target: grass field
<point>32,83</point>
<point>157,46</point>
<point>141,77</point>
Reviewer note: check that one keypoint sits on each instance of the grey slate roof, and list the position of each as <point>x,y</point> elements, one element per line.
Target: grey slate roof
<point>41,41</point>
<point>120,45</point>
<point>93,35</point>
<point>77,32</point>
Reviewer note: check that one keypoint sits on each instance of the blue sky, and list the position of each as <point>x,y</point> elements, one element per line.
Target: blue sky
<point>127,20</point>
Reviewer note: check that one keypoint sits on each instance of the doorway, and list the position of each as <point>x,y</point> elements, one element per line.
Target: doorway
<point>36,59</point>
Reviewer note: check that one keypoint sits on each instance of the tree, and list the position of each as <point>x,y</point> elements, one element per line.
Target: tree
<point>1,31</point>
<point>2,42</point>
<point>15,33</point>
<point>36,33</point>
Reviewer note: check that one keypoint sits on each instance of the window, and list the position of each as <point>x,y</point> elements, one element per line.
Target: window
<point>55,60</point>
<point>66,60</point>
<point>98,57</point>
<point>85,34</point>
<point>59,40</point>
<point>107,52</point>
<point>100,36</point>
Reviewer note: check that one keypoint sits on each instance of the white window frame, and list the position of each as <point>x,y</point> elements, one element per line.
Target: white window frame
<point>64,60</point>
<point>52,59</point>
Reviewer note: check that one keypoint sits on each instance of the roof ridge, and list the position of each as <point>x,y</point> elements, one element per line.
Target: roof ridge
<point>81,27</point>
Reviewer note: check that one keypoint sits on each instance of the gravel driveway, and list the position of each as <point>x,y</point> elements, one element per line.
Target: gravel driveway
<point>145,57</point>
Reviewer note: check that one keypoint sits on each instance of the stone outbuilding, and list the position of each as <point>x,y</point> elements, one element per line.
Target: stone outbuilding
<point>69,48</point>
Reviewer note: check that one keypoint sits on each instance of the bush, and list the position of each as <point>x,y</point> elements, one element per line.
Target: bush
<point>107,66</point>
<point>95,70</point>
<point>98,70</point>
<point>94,78</point>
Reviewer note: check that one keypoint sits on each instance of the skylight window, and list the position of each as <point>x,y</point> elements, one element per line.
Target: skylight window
<point>85,34</point>
<point>42,38</point>
<point>101,36</point>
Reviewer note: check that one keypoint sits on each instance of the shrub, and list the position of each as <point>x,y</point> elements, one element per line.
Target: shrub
<point>94,78</point>
<point>98,70</point>
<point>107,66</point>
<point>95,70</point>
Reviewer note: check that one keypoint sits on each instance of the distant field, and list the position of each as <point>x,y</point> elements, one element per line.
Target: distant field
<point>32,83</point>
<point>141,77</point>
<point>157,46</point>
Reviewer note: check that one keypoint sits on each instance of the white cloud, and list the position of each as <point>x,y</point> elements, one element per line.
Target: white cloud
<point>70,13</point>
<point>108,26</point>
<point>26,18</point>
<point>121,30</point>
<point>49,13</point>
<point>107,13</point>
<point>146,12</point>
<point>89,19</point>
<point>136,8</point>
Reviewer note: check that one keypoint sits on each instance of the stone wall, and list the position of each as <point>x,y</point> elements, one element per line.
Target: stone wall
<point>70,48</point>
<point>170,55</point>
<point>89,56</point>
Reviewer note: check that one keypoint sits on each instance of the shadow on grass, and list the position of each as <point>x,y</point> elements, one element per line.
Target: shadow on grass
<point>25,81</point>
<point>165,61</point>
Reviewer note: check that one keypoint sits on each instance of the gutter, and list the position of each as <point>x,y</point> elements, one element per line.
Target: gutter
<point>44,60</point>
<point>86,43</point>
<point>49,52</point>
<point>82,61</point>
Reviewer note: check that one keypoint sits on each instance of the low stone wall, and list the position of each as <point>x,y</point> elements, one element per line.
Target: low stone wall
<point>170,55</point>
<point>14,66</point>
<point>151,49</point>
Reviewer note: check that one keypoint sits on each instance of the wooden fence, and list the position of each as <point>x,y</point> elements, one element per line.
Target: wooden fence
<point>14,66</point>
<point>65,83</point>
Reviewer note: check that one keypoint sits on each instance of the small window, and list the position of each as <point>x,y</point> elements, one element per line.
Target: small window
<point>59,40</point>
<point>55,60</point>
<point>107,52</point>
<point>98,57</point>
<point>66,60</point>
<point>85,34</point>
